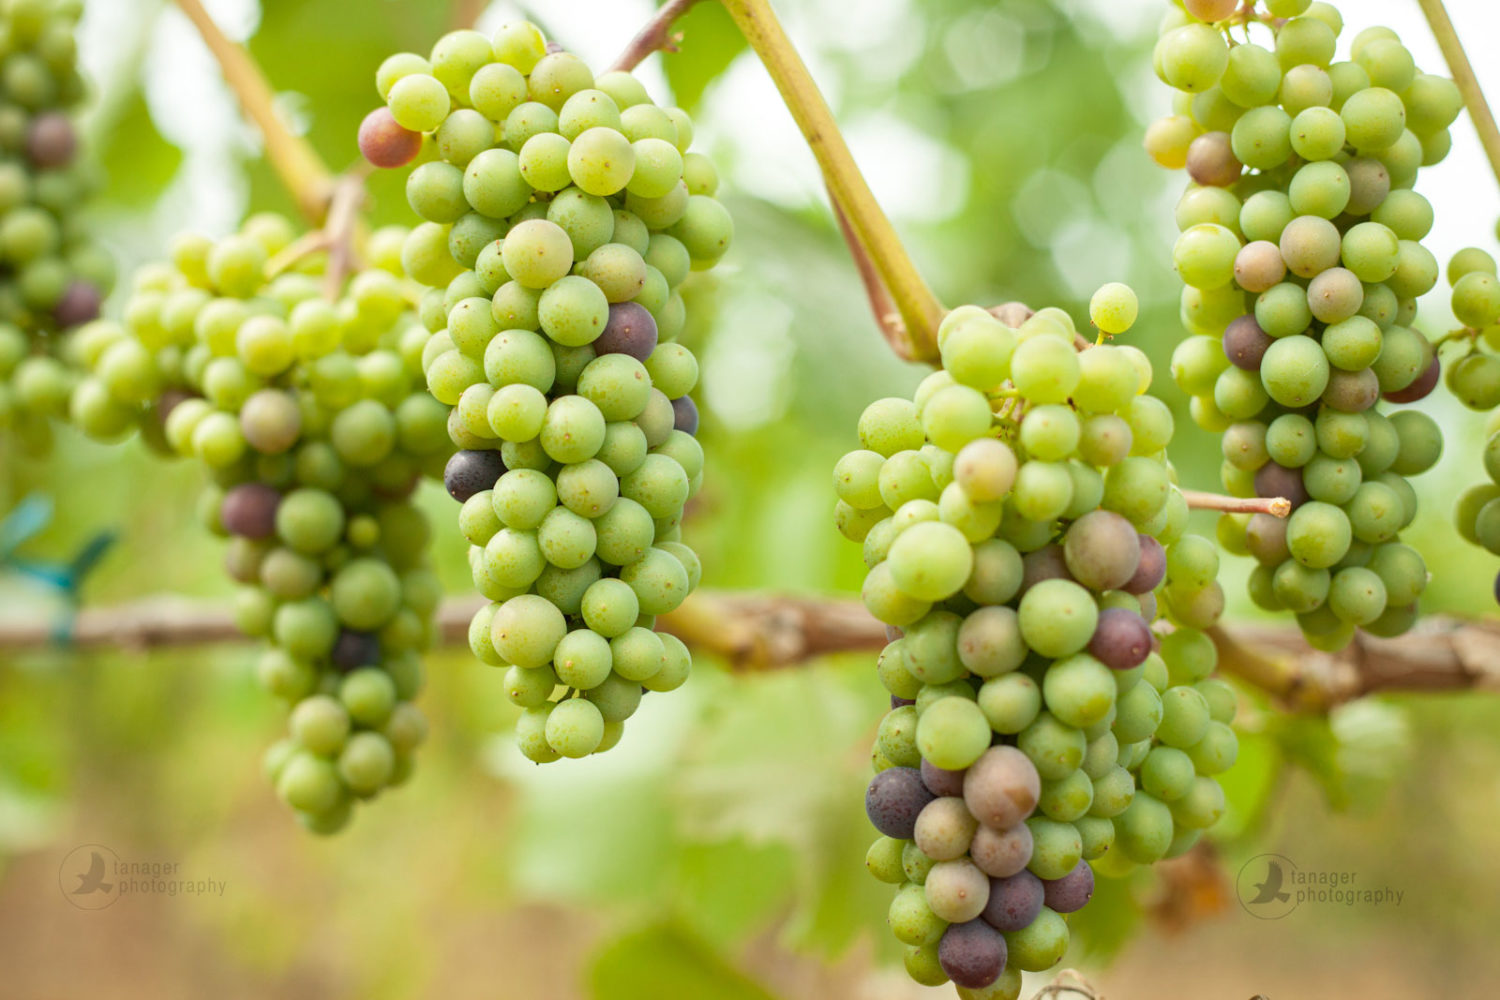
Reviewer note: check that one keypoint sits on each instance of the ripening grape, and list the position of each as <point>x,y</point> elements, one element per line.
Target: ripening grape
<point>1023,533</point>
<point>562,216</point>
<point>55,276</point>
<point>315,424</point>
<point>1300,252</point>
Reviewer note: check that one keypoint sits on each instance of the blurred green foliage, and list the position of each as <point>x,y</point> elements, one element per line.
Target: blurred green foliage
<point>719,852</point>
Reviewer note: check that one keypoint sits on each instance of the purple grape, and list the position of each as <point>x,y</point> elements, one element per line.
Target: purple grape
<point>1245,343</point>
<point>51,141</point>
<point>79,304</point>
<point>1354,392</point>
<point>893,800</point>
<point>942,783</point>
<point>1002,853</point>
<point>1069,893</point>
<point>1014,901</point>
<point>972,954</point>
<point>1151,570</point>
<point>1122,639</point>
<point>631,330</point>
<point>1272,480</point>
<point>249,510</point>
<point>1002,787</point>
<point>1421,386</point>
<point>471,472</point>
<point>1045,563</point>
<point>355,649</point>
<point>685,413</point>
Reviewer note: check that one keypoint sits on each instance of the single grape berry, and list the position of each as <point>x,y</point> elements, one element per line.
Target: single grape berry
<point>249,510</point>
<point>630,330</point>
<point>385,143</point>
<point>469,472</point>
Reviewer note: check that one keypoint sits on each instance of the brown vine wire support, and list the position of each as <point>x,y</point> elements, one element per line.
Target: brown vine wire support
<point>919,309</point>
<point>301,170</point>
<point>758,632</point>
<point>1463,75</point>
<point>656,36</point>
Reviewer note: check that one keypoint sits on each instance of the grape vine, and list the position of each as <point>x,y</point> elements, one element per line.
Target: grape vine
<point>1019,521</point>
<point>562,213</point>
<point>53,275</point>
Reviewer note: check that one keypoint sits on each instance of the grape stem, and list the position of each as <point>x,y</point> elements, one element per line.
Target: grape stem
<point>919,309</point>
<point>304,175</point>
<point>1275,506</point>
<point>1463,75</point>
<point>757,632</point>
<point>656,36</point>
<point>887,316</point>
<point>341,229</point>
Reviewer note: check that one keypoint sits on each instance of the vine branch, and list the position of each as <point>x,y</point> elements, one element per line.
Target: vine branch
<point>919,309</point>
<point>656,36</point>
<point>293,158</point>
<point>1463,76</point>
<point>756,632</point>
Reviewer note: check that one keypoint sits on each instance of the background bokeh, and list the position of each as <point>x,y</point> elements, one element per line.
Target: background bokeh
<point>717,853</point>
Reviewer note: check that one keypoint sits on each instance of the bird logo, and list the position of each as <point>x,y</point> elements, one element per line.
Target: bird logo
<point>93,879</point>
<point>83,877</point>
<point>1260,885</point>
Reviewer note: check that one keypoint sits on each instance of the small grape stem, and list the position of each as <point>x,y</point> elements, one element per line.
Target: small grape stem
<point>1275,506</point>
<point>920,310</point>
<point>304,175</point>
<point>887,316</point>
<point>656,36</point>
<point>1463,75</point>
<point>341,229</point>
<point>296,251</point>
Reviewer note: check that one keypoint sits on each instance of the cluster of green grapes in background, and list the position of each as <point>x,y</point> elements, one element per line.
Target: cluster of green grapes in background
<point>562,214</point>
<point>311,416</point>
<point>1022,532</point>
<point>1473,376</point>
<point>53,276</point>
<point>1300,252</point>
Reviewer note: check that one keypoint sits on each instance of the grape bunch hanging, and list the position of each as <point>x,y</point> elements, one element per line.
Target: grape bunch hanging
<point>562,214</point>
<point>313,422</point>
<point>1301,253</point>
<point>1022,533</point>
<point>1473,377</point>
<point>53,275</point>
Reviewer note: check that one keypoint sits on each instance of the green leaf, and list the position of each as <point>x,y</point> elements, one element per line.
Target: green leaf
<point>667,961</point>
<point>710,42</point>
<point>727,891</point>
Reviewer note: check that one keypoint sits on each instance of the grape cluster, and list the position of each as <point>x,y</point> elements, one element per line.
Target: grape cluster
<point>1019,523</point>
<point>312,419</point>
<point>1301,255</point>
<point>1474,379</point>
<point>53,275</point>
<point>562,214</point>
